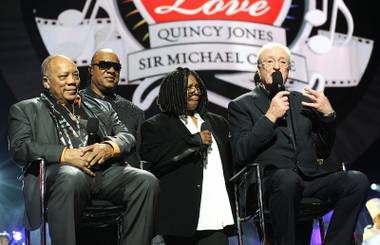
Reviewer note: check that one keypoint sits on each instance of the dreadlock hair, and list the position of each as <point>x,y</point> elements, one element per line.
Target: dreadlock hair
<point>172,97</point>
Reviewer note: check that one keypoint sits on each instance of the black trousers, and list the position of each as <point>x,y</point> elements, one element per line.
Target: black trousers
<point>217,237</point>
<point>70,190</point>
<point>284,189</point>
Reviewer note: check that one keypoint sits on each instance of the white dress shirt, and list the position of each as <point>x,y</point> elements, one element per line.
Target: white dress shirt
<point>215,210</point>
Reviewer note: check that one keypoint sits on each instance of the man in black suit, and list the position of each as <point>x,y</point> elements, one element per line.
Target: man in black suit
<point>286,132</point>
<point>189,152</point>
<point>53,127</point>
<point>105,73</point>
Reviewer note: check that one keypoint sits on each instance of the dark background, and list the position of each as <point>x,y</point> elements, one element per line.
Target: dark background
<point>358,141</point>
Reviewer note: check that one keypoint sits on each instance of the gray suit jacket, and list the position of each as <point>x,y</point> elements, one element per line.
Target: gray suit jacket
<point>33,135</point>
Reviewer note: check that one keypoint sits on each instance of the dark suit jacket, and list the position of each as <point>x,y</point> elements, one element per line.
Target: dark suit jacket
<point>33,135</point>
<point>130,115</point>
<point>255,137</point>
<point>176,161</point>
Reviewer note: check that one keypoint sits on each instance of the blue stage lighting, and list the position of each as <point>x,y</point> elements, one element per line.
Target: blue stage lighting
<point>375,187</point>
<point>17,235</point>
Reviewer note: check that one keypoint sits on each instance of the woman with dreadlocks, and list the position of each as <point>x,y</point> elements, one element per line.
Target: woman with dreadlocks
<point>189,152</point>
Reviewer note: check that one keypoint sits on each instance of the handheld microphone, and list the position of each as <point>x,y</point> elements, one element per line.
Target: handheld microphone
<point>277,86</point>
<point>205,147</point>
<point>277,83</point>
<point>92,130</point>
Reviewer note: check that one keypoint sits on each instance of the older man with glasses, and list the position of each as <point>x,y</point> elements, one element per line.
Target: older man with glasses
<point>104,77</point>
<point>286,132</point>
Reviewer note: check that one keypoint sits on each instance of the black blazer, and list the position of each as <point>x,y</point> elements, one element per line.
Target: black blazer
<point>33,135</point>
<point>254,136</point>
<point>176,160</point>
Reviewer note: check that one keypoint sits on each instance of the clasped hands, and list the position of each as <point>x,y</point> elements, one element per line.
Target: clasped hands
<point>86,157</point>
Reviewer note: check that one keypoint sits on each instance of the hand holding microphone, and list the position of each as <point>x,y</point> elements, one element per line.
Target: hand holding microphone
<point>206,137</point>
<point>280,102</point>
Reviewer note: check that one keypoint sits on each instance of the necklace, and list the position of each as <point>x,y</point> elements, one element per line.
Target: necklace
<point>72,114</point>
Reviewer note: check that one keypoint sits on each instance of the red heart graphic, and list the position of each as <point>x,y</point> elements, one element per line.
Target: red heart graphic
<point>260,11</point>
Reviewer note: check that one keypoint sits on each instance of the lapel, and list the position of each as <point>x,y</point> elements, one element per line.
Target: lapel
<point>208,120</point>
<point>260,99</point>
<point>93,107</point>
<point>178,127</point>
<point>262,103</point>
<point>44,125</point>
<point>294,112</point>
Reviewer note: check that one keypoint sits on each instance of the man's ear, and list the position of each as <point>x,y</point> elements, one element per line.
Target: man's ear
<point>89,70</point>
<point>258,72</point>
<point>45,82</point>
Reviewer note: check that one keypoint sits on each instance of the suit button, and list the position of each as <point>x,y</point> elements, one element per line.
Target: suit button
<point>198,186</point>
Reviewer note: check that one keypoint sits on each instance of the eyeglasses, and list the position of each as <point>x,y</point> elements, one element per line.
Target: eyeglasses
<point>106,65</point>
<point>270,63</point>
<point>194,90</point>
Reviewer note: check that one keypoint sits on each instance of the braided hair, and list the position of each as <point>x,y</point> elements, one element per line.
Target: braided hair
<point>172,97</point>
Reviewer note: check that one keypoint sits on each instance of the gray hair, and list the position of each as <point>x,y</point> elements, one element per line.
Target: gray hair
<point>270,46</point>
<point>45,66</point>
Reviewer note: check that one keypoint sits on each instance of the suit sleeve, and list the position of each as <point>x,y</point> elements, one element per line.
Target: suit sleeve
<point>23,147</point>
<point>324,135</point>
<point>248,137</point>
<point>140,120</point>
<point>120,134</point>
<point>163,149</point>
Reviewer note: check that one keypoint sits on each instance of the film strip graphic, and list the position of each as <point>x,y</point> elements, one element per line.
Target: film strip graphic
<point>359,52</point>
<point>79,42</point>
<point>344,64</point>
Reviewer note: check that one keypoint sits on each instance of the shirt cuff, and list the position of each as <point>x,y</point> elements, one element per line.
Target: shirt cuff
<point>62,158</point>
<point>115,147</point>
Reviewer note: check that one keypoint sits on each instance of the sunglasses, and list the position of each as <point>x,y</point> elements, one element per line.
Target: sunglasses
<point>106,65</point>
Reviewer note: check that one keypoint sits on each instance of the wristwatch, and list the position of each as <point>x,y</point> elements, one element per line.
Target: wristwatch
<point>330,115</point>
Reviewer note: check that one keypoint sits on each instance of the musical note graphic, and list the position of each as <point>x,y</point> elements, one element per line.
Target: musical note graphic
<point>73,21</point>
<point>73,17</point>
<point>322,44</point>
<point>317,17</point>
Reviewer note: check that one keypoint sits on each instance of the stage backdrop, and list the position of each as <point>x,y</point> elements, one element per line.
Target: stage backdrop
<point>220,39</point>
<point>334,47</point>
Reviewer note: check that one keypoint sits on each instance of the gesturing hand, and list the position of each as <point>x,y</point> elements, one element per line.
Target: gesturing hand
<point>318,101</point>
<point>97,153</point>
<point>75,157</point>
<point>278,106</point>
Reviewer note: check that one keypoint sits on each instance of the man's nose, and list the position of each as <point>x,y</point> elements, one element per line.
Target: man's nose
<point>111,70</point>
<point>73,79</point>
<point>276,65</point>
